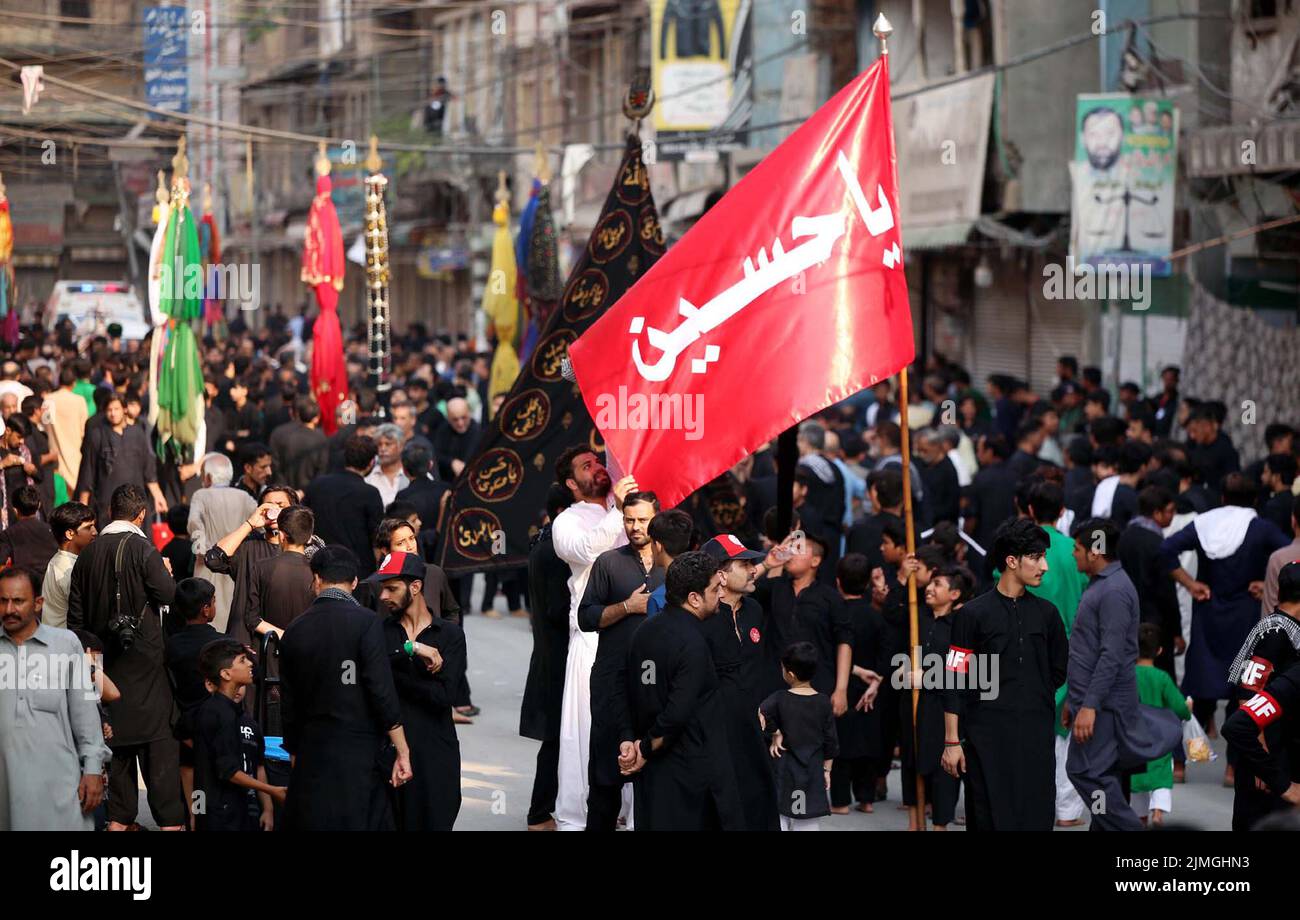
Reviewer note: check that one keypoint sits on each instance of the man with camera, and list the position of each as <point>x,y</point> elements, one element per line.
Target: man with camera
<point>119,585</point>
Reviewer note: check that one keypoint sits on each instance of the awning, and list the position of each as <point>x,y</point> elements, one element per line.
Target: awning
<point>687,206</point>
<point>936,236</point>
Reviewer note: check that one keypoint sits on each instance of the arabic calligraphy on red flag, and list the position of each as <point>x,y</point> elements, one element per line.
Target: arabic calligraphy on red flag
<point>785,298</point>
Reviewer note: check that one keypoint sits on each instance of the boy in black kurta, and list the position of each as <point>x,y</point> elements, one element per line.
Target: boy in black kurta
<point>862,756</point>
<point>231,791</point>
<point>804,741</point>
<point>1000,733</point>
<point>944,591</point>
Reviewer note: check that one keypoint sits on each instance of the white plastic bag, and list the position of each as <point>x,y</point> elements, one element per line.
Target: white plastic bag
<point>1196,744</point>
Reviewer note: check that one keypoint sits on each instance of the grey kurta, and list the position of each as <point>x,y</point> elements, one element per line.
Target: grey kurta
<point>50,733</point>
<point>1103,676</point>
<point>215,512</point>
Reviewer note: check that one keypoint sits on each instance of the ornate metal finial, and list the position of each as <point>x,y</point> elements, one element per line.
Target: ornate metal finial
<point>161,195</point>
<point>640,98</point>
<point>322,160</point>
<point>180,162</point>
<point>882,30</point>
<point>373,161</point>
<point>2,187</point>
<point>207,197</point>
<point>503,190</point>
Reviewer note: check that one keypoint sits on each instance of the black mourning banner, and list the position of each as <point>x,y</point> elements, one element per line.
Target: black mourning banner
<point>497,503</point>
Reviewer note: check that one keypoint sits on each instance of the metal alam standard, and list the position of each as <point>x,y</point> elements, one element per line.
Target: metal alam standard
<point>379,331</point>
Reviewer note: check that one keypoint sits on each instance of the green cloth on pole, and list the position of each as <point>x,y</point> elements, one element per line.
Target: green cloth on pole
<point>180,375</point>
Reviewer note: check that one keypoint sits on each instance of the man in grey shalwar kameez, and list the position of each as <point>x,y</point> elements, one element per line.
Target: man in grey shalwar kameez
<point>1112,731</point>
<point>52,750</point>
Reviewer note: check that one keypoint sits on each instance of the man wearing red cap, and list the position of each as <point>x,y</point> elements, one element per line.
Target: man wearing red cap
<point>428,658</point>
<point>735,636</point>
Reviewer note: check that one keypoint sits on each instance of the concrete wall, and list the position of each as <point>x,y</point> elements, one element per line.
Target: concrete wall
<point>1038,99</point>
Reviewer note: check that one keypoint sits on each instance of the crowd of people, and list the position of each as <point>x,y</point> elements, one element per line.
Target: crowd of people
<point>1088,577</point>
<point>259,636</point>
<point>259,633</point>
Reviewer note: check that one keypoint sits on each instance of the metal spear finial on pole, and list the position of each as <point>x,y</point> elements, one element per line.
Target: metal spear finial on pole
<point>882,30</point>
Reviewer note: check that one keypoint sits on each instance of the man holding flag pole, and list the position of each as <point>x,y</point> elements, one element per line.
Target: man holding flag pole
<point>806,248</point>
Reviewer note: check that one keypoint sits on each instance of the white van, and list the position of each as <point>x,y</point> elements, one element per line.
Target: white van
<point>94,305</point>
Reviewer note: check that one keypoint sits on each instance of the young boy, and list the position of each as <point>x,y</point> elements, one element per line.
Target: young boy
<point>946,589</point>
<point>195,606</point>
<point>1153,789</point>
<point>802,726</point>
<point>862,756</point>
<point>231,792</point>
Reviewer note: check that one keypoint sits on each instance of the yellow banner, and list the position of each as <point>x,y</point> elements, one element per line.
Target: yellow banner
<point>693,44</point>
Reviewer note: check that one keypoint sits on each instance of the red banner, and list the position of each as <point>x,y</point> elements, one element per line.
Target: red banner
<point>786,297</point>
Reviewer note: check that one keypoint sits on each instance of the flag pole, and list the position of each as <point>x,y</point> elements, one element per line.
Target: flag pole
<point>912,615</point>
<point>882,30</point>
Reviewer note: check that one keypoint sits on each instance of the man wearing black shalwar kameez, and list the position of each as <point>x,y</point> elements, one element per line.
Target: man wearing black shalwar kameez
<point>1003,740</point>
<point>426,685</point>
<point>675,744</point>
<point>338,702</point>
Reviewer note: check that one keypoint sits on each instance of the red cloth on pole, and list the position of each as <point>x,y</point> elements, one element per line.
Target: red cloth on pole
<point>329,373</point>
<point>786,297</point>
<point>323,267</point>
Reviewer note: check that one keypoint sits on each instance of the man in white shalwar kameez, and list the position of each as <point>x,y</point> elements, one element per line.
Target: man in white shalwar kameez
<point>584,530</point>
<point>52,750</point>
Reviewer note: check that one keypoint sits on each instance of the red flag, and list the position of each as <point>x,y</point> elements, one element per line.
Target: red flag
<point>785,298</point>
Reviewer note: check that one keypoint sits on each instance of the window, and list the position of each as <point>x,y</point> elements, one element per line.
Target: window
<point>75,9</point>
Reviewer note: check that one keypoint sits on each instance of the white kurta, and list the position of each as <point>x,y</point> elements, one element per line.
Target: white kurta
<point>580,533</point>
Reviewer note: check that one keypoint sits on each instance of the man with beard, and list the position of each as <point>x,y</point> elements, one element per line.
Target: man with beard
<point>428,659</point>
<point>613,605</point>
<point>121,577</point>
<point>675,741</point>
<point>338,702</point>
<point>52,750</point>
<point>1002,738</point>
<point>548,607</point>
<point>584,530</point>
<point>735,637</point>
<point>256,462</point>
<point>114,454</point>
